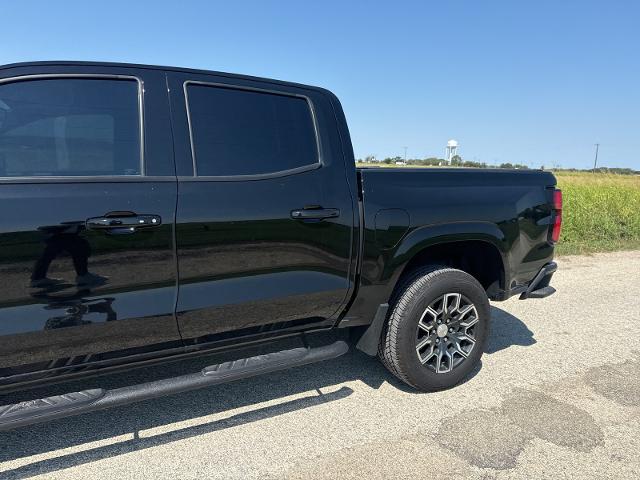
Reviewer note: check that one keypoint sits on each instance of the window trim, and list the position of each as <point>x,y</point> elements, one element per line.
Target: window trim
<point>107,76</point>
<point>255,176</point>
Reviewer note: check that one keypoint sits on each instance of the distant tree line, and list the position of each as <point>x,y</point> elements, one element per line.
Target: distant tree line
<point>458,161</point>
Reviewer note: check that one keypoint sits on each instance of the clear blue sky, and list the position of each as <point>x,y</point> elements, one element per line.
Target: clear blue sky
<point>535,82</point>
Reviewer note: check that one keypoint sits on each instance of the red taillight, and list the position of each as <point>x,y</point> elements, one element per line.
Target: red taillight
<point>557,199</point>
<point>557,218</point>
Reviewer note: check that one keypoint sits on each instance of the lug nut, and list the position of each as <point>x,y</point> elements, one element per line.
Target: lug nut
<point>437,340</point>
<point>446,339</point>
<point>451,329</point>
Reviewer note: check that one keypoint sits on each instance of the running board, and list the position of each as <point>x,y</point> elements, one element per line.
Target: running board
<point>75,403</point>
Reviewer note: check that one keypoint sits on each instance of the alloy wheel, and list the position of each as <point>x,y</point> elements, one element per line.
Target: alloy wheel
<point>446,332</point>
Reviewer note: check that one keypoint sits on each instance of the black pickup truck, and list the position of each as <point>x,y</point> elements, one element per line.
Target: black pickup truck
<point>152,213</point>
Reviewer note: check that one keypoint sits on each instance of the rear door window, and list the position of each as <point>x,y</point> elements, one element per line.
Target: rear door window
<point>248,132</point>
<point>70,127</point>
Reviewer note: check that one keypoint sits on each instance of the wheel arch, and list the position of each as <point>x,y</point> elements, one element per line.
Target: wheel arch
<point>478,248</point>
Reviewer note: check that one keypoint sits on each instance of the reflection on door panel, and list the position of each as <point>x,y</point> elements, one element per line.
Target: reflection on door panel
<point>79,281</point>
<point>237,271</point>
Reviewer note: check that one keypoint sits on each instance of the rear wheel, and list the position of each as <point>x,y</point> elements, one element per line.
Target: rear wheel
<point>437,329</point>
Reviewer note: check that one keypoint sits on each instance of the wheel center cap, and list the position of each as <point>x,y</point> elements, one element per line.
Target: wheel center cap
<point>442,330</point>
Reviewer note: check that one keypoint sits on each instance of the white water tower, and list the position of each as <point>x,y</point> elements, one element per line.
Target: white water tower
<point>452,150</point>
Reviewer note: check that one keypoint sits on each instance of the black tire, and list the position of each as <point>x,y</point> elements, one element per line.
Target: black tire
<point>400,337</point>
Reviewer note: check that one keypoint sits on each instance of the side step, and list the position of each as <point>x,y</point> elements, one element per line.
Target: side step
<point>60,406</point>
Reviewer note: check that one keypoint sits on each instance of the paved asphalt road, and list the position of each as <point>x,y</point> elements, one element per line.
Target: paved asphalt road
<point>557,396</point>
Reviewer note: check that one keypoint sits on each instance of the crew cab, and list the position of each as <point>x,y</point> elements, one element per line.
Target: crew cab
<point>152,213</point>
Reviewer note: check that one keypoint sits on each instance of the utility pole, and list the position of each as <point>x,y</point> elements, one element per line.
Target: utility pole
<point>405,154</point>
<point>595,162</point>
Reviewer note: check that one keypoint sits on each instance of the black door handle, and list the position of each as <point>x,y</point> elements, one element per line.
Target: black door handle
<point>315,213</point>
<point>123,222</point>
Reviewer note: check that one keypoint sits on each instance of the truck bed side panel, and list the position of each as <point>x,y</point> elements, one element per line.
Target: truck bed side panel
<point>508,209</point>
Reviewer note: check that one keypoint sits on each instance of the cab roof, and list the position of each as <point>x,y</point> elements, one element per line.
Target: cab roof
<point>53,63</point>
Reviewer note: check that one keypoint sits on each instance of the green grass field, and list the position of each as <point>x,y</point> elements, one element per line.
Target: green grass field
<point>601,212</point>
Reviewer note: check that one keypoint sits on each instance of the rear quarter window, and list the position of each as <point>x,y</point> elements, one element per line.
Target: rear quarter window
<point>237,132</point>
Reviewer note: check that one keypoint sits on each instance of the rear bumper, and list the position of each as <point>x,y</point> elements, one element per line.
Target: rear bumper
<point>539,286</point>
